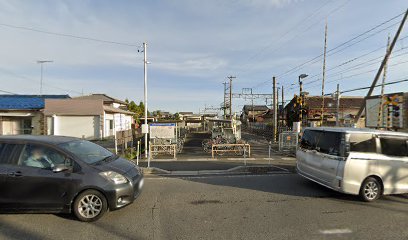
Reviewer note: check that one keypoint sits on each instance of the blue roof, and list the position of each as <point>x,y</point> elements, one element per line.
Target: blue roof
<point>25,102</point>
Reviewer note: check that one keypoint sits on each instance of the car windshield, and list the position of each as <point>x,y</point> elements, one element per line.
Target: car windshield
<point>87,151</point>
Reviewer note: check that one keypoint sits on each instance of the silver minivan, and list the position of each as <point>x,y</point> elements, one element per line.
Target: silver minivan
<point>363,162</point>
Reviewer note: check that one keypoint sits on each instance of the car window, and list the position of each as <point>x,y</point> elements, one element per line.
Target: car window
<point>42,157</point>
<point>394,147</point>
<point>362,142</point>
<point>7,153</point>
<point>322,141</point>
<point>87,151</point>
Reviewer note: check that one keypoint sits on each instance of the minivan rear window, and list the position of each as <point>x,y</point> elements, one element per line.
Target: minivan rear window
<point>394,147</point>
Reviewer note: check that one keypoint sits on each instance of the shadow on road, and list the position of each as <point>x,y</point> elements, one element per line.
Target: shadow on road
<point>296,186</point>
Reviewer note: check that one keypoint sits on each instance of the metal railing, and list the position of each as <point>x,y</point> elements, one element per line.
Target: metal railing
<point>156,149</point>
<point>238,148</point>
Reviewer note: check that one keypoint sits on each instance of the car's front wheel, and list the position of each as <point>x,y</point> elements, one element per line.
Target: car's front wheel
<point>370,189</point>
<point>90,205</point>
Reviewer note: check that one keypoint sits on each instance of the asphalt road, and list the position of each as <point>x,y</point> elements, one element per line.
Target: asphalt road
<point>280,206</point>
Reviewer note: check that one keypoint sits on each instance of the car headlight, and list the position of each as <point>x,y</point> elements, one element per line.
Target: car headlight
<point>114,177</point>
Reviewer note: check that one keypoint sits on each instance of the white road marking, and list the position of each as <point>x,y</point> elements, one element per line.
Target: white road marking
<point>335,231</point>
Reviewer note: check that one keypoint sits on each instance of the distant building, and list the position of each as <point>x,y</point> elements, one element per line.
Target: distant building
<point>349,107</point>
<point>254,113</point>
<point>22,114</point>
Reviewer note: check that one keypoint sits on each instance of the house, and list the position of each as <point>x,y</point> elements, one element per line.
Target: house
<point>349,107</point>
<point>22,114</point>
<point>95,116</point>
<point>253,113</point>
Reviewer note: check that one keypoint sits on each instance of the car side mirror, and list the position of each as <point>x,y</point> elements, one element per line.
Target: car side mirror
<point>60,168</point>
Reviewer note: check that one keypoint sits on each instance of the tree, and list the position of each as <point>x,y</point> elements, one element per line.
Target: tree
<point>137,109</point>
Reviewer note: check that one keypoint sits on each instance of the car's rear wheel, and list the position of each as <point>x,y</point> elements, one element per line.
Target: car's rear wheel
<point>370,189</point>
<point>90,205</point>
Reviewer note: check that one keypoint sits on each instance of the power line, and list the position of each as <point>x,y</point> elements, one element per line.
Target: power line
<point>357,74</point>
<point>30,79</point>
<point>360,66</point>
<point>262,50</point>
<point>346,42</point>
<point>68,35</point>
<point>379,85</point>
<point>4,91</point>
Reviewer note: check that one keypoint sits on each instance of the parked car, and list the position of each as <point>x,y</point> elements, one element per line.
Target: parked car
<point>362,162</point>
<point>64,174</point>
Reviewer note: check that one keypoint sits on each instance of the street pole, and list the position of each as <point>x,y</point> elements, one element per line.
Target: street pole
<point>338,106</point>
<point>225,101</point>
<point>275,111</point>
<point>283,107</point>
<point>145,96</point>
<point>380,122</point>
<point>301,100</point>
<point>41,62</point>
<point>230,95</point>
<point>324,73</point>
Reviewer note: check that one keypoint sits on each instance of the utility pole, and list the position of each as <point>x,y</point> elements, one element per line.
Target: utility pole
<point>338,106</point>
<point>380,106</point>
<point>41,62</point>
<point>383,63</point>
<point>145,99</point>
<point>283,107</point>
<point>230,94</point>
<point>275,110</point>
<point>324,73</point>
<point>225,100</point>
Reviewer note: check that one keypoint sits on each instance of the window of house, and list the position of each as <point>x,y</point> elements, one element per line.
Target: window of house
<point>394,147</point>
<point>362,142</point>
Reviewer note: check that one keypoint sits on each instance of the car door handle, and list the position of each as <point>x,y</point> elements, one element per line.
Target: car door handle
<point>15,174</point>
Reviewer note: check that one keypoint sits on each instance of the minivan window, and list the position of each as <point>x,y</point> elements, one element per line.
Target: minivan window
<point>362,142</point>
<point>322,141</point>
<point>394,147</point>
<point>87,151</point>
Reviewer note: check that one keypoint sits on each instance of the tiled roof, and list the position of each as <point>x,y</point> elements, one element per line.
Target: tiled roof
<point>254,108</point>
<point>329,102</point>
<point>103,97</point>
<point>26,102</point>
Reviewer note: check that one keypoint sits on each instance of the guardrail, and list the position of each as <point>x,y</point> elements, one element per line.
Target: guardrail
<point>156,149</point>
<point>238,148</point>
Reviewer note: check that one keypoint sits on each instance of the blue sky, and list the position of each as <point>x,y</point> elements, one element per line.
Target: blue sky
<point>193,46</point>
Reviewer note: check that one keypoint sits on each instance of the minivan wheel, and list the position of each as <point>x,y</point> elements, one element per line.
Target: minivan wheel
<point>370,189</point>
<point>90,205</point>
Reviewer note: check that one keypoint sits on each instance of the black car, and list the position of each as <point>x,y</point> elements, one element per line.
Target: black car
<point>64,175</point>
